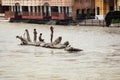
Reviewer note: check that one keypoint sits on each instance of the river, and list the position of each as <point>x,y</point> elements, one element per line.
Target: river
<point>99,60</point>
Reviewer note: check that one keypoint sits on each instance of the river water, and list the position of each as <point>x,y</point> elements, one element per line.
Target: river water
<point>100,59</point>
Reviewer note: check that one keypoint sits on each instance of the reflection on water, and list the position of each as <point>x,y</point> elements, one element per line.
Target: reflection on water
<point>100,59</point>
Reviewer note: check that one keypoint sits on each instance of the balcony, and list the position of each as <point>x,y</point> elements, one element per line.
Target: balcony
<point>30,15</point>
<point>24,15</point>
<point>37,15</point>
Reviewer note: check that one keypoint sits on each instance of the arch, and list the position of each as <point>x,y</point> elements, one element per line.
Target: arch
<point>17,10</point>
<point>46,9</point>
<point>17,4</point>
<point>17,7</point>
<point>46,4</point>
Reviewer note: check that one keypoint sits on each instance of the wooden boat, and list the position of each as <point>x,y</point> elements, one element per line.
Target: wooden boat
<point>55,45</point>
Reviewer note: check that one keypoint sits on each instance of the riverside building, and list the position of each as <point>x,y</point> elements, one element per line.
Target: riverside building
<point>2,9</point>
<point>102,7</point>
<point>49,9</point>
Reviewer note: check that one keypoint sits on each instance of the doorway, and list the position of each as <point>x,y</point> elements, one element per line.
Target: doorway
<point>46,10</point>
<point>17,10</point>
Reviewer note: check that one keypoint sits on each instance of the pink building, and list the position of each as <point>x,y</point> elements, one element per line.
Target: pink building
<point>47,9</point>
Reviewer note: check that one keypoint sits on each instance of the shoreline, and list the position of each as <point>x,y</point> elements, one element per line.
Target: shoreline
<point>77,28</point>
<point>2,18</point>
<point>116,25</point>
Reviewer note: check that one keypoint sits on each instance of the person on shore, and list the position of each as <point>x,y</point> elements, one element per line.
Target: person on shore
<point>35,35</point>
<point>51,36</point>
<point>40,38</point>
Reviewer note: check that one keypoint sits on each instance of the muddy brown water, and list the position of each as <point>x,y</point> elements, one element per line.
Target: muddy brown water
<point>100,59</point>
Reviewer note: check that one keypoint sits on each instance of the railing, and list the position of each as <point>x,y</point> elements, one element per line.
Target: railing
<point>92,22</point>
<point>30,15</point>
<point>37,15</point>
<point>25,15</point>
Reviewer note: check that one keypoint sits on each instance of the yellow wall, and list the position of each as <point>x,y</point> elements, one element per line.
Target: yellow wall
<point>118,4</point>
<point>104,5</point>
<point>99,3</point>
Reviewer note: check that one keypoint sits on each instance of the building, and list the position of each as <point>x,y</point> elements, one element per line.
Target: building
<point>0,6</point>
<point>58,9</point>
<point>38,9</point>
<point>83,8</point>
<point>48,9</point>
<point>118,5</point>
<point>3,8</point>
<point>102,7</point>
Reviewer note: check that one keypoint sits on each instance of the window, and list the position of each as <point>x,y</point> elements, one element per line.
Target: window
<point>98,10</point>
<point>25,8</point>
<point>83,11</point>
<point>111,8</point>
<point>54,8</point>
